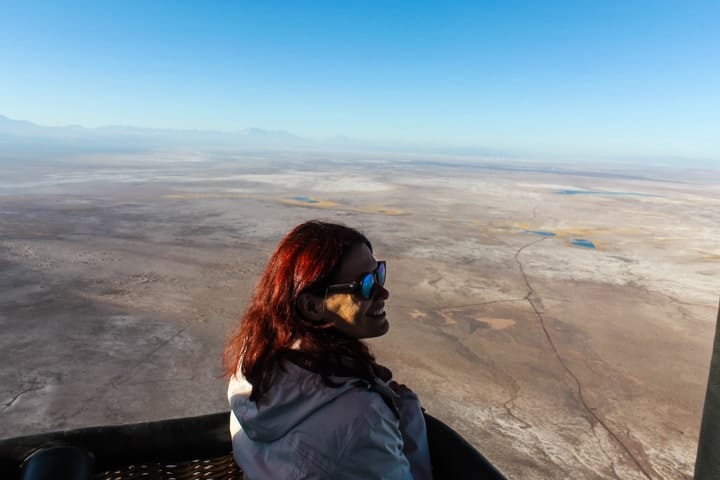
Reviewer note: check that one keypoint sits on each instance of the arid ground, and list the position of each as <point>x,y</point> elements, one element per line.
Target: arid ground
<point>560,318</point>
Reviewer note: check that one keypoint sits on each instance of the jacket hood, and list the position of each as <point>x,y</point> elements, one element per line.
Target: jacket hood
<point>294,395</point>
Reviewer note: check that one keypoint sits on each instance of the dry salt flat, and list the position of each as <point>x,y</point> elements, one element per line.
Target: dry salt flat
<point>121,279</point>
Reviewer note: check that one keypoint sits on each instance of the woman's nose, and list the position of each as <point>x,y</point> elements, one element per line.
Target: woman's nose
<point>383,292</point>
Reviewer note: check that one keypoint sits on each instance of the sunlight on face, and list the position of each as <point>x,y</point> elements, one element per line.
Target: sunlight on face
<point>349,312</point>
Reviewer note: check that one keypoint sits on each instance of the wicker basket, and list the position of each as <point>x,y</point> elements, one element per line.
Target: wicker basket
<point>190,448</point>
<point>217,468</point>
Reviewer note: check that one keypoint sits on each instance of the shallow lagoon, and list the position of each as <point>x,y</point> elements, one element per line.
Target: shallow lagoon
<point>580,242</point>
<point>305,199</point>
<point>542,233</point>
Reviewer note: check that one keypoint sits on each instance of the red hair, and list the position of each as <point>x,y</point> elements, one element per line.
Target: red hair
<point>304,261</point>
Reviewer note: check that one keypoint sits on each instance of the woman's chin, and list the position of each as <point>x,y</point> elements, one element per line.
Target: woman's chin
<point>370,327</point>
<point>380,327</point>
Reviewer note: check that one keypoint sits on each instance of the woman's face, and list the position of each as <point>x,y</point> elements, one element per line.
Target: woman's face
<point>350,312</point>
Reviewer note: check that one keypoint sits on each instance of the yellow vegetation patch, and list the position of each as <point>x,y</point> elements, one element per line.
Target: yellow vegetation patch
<point>299,201</point>
<point>592,231</point>
<point>310,202</point>
<point>381,210</point>
<point>564,232</point>
<point>578,232</point>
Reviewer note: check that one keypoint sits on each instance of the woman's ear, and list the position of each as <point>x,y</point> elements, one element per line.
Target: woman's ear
<point>311,306</point>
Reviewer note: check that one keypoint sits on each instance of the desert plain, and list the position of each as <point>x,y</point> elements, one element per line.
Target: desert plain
<point>559,317</point>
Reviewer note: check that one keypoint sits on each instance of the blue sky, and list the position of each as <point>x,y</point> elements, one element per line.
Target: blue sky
<point>595,78</point>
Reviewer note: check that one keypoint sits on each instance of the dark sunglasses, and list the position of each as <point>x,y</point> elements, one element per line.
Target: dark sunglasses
<point>366,285</point>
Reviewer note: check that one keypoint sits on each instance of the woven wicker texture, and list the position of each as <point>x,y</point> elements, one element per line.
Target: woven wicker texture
<point>218,468</point>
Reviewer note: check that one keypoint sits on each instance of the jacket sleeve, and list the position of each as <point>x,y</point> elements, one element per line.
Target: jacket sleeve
<point>373,449</point>
<point>414,433</point>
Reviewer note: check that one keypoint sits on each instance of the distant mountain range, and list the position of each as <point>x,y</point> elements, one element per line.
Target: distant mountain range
<point>24,132</point>
<point>22,138</point>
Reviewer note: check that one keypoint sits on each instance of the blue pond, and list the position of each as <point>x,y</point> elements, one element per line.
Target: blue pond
<point>305,199</point>
<point>600,192</point>
<point>542,233</point>
<point>579,242</point>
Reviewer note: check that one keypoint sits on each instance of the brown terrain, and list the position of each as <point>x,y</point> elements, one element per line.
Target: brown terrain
<point>121,276</point>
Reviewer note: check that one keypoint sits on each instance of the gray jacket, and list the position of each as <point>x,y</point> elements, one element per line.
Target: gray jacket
<point>304,429</point>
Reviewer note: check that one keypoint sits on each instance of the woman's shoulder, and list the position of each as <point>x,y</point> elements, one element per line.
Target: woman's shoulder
<point>358,406</point>
<point>300,399</point>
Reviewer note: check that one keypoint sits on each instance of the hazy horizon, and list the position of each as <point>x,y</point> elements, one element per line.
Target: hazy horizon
<point>27,138</point>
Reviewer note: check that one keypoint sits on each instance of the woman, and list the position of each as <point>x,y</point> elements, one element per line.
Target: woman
<point>308,399</point>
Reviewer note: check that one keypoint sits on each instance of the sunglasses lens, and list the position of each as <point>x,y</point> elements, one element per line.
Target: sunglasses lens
<point>381,274</point>
<point>368,284</point>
